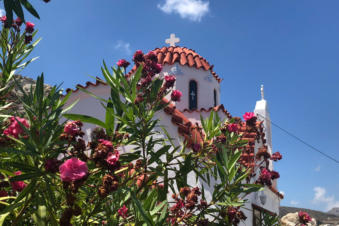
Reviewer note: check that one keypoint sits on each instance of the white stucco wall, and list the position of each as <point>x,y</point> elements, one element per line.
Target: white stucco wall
<point>194,116</point>
<point>206,84</point>
<point>272,204</point>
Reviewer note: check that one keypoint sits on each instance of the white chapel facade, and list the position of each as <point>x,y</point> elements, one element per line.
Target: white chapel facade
<point>200,87</point>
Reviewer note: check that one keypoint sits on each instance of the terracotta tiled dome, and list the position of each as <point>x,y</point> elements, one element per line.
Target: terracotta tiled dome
<point>184,56</point>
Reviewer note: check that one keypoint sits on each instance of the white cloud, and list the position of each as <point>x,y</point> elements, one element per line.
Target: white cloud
<point>317,169</point>
<point>2,12</point>
<point>123,46</point>
<point>188,9</point>
<point>294,203</point>
<point>320,197</point>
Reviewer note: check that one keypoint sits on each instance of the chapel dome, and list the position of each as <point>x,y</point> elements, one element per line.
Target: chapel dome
<point>185,57</point>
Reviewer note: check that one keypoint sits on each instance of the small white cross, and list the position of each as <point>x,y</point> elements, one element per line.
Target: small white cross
<point>192,94</point>
<point>172,40</point>
<point>262,91</point>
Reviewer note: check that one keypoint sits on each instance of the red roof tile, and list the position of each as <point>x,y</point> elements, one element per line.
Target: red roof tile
<point>185,126</point>
<point>216,109</point>
<point>183,56</point>
<point>275,191</point>
<point>192,134</point>
<point>98,81</point>
<point>252,134</point>
<point>249,134</point>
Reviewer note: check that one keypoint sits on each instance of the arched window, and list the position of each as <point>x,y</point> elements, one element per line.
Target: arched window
<point>215,97</point>
<point>193,95</point>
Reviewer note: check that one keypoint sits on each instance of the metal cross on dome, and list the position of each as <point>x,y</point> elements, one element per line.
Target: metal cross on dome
<point>172,40</point>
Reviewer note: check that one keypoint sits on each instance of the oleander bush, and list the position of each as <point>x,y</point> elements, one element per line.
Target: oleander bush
<point>51,175</point>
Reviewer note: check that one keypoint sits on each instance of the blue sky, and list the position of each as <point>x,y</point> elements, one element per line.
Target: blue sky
<point>292,47</point>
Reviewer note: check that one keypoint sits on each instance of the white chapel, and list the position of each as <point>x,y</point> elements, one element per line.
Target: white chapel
<point>200,87</point>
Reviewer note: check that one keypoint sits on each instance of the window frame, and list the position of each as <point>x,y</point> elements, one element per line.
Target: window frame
<point>189,94</point>
<point>261,211</point>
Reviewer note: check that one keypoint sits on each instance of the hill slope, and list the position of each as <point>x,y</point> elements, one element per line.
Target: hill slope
<point>321,217</point>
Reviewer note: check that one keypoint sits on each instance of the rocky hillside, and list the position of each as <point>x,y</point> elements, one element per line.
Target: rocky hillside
<point>334,211</point>
<point>321,217</point>
<point>26,83</point>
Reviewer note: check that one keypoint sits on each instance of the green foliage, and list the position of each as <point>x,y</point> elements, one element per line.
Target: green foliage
<point>13,58</point>
<point>133,190</point>
<point>270,220</point>
<point>230,186</point>
<point>17,7</point>
<point>29,153</point>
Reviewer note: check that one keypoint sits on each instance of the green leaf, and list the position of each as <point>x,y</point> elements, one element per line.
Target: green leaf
<point>11,207</point>
<point>23,65</point>
<point>22,166</point>
<point>158,207</point>
<point>85,118</point>
<point>25,176</point>
<point>2,218</point>
<point>27,190</point>
<point>70,106</point>
<point>234,159</point>
<point>7,197</point>
<point>163,216</point>
<point>151,196</point>
<point>155,89</point>
<point>30,8</point>
<point>144,215</point>
<point>91,94</point>
<point>9,11</point>
<point>109,118</point>
<point>160,152</point>
<point>18,9</point>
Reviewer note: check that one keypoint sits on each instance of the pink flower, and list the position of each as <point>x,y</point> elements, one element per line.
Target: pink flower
<point>15,128</point>
<point>274,175</point>
<point>276,156</point>
<point>29,27</point>
<point>304,218</point>
<point>107,143</point>
<point>248,116</point>
<point>52,165</point>
<point>235,215</point>
<point>113,158</point>
<point>18,21</point>
<point>176,95</point>
<point>169,81</point>
<point>157,68</point>
<point>123,63</point>
<point>232,127</point>
<point>73,169</point>
<point>152,56</point>
<point>142,179</point>
<point>123,211</point>
<point>28,39</point>
<point>3,19</point>
<point>178,206</point>
<point>138,56</point>
<point>139,99</point>
<point>144,82</point>
<point>3,193</point>
<point>196,147</point>
<point>73,128</point>
<point>265,177</point>
<point>18,185</point>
